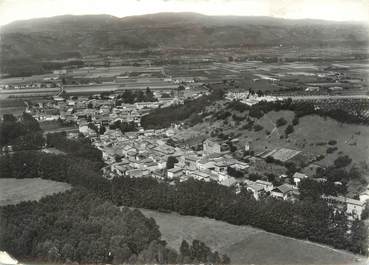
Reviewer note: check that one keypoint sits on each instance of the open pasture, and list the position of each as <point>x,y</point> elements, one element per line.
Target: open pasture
<point>13,191</point>
<point>245,244</point>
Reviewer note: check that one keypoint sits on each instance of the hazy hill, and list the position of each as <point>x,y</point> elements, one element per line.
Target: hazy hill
<point>65,36</point>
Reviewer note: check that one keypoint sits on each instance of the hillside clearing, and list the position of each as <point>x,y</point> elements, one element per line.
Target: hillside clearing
<point>13,191</point>
<point>245,244</point>
<point>311,135</point>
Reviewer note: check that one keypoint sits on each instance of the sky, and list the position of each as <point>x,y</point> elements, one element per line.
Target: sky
<point>337,10</point>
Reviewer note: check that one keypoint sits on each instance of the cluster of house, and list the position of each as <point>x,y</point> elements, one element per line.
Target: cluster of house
<point>260,188</point>
<point>145,153</point>
<point>352,207</point>
<point>100,112</point>
<point>47,82</point>
<point>135,154</point>
<point>249,99</point>
<point>286,191</point>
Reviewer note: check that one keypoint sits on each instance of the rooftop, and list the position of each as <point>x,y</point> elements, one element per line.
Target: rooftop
<point>299,175</point>
<point>284,188</point>
<point>175,170</point>
<point>282,154</point>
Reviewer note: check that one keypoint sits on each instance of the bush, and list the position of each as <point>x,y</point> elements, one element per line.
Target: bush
<point>256,113</point>
<point>237,118</point>
<point>238,106</point>
<point>319,157</point>
<point>248,126</point>
<point>269,159</point>
<point>234,172</point>
<point>295,121</point>
<point>342,161</point>
<point>330,150</point>
<point>289,129</point>
<point>332,142</point>
<point>171,161</point>
<point>255,176</point>
<point>258,127</point>
<point>280,122</point>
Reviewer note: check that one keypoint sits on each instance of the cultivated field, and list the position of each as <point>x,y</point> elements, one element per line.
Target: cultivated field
<point>13,191</point>
<point>247,245</point>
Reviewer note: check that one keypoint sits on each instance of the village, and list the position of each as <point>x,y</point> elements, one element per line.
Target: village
<point>138,153</point>
<point>184,132</point>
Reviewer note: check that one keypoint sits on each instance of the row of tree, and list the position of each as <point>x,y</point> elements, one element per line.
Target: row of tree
<point>305,219</point>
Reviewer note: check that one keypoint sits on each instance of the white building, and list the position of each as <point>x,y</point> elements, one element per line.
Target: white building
<point>174,173</point>
<point>297,177</point>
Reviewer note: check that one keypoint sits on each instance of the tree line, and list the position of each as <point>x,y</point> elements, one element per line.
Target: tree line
<point>304,219</point>
<point>355,115</point>
<point>82,225</point>
<point>164,117</point>
<point>308,219</point>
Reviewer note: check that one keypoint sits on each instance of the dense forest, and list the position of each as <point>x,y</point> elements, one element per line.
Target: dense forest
<point>80,147</point>
<point>79,226</point>
<point>23,133</point>
<point>66,168</point>
<point>308,218</point>
<point>164,117</point>
<point>82,225</point>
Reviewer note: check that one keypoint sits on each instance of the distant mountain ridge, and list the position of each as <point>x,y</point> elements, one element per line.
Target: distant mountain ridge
<point>91,34</point>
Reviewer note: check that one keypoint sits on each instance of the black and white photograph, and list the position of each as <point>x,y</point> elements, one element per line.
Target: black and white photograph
<point>184,132</point>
